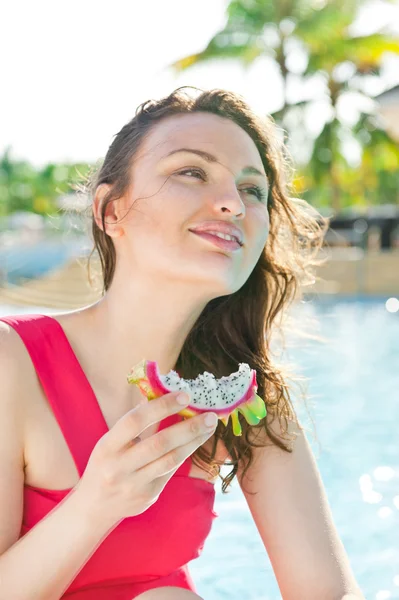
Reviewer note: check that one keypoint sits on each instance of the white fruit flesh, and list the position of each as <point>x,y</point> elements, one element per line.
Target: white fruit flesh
<point>207,392</point>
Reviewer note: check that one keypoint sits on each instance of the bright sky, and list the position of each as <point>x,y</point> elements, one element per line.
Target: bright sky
<point>73,72</point>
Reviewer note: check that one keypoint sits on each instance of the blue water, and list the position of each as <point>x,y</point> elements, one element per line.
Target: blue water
<point>35,259</point>
<point>353,384</point>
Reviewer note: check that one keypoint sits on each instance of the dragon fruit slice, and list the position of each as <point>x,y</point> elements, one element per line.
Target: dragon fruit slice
<point>225,396</point>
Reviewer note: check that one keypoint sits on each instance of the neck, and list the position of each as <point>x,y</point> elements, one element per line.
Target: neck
<point>139,322</point>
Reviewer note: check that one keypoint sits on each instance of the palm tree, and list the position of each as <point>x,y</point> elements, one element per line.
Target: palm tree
<point>280,28</point>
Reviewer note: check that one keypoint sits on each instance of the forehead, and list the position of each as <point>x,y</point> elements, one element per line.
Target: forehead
<point>205,131</point>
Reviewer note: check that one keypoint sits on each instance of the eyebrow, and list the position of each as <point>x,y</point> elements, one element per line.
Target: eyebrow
<point>210,158</point>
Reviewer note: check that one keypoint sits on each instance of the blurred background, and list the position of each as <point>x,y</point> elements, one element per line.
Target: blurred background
<point>328,72</point>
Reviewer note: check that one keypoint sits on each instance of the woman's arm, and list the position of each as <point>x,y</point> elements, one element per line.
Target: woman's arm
<point>43,563</point>
<point>294,519</point>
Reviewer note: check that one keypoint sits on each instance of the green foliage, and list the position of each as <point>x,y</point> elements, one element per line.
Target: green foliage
<point>275,29</point>
<point>374,181</point>
<point>24,187</point>
<point>322,28</point>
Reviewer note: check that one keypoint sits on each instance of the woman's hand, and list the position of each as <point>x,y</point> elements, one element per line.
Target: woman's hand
<point>123,477</point>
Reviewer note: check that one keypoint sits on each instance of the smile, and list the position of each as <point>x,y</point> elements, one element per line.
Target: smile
<point>230,245</point>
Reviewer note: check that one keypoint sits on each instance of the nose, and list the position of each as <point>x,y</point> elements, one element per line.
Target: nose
<point>227,197</point>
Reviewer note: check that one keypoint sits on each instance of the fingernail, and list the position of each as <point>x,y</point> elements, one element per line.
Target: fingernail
<point>183,399</point>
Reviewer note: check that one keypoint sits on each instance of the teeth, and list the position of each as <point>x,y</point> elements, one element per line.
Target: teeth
<point>224,236</point>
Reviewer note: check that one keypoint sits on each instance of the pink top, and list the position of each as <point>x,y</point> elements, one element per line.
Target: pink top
<point>147,551</point>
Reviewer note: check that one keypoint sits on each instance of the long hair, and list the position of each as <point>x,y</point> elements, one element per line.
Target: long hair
<point>238,327</point>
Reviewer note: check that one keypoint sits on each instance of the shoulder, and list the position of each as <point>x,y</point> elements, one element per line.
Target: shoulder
<point>13,353</point>
<point>11,348</point>
<point>16,371</point>
<point>12,395</point>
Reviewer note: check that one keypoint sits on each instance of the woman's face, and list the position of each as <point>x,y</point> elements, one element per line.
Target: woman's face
<point>173,192</point>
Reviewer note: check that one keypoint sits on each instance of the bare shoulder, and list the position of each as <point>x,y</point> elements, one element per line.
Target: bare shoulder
<point>18,378</point>
<point>12,361</point>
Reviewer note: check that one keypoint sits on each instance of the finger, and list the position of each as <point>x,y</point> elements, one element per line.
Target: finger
<point>176,436</point>
<point>168,464</point>
<point>136,440</point>
<point>135,421</point>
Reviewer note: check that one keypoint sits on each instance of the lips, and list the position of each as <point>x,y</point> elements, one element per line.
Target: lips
<point>217,241</point>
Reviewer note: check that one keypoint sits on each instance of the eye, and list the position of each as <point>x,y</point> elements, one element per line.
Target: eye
<point>257,191</point>
<point>192,170</point>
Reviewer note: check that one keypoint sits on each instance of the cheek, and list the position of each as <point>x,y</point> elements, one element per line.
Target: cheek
<point>169,207</point>
<point>150,217</point>
<point>260,228</point>
<point>256,246</point>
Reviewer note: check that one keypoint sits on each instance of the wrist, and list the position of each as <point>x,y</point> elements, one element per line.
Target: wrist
<point>89,511</point>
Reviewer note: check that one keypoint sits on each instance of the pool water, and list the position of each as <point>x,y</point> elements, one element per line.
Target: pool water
<point>354,390</point>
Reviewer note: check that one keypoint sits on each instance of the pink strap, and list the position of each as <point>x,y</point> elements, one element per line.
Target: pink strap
<point>66,386</point>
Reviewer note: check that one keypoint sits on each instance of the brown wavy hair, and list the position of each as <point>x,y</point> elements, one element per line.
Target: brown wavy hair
<point>237,327</point>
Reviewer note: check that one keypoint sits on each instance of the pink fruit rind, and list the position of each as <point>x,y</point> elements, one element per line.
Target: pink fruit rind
<point>147,377</point>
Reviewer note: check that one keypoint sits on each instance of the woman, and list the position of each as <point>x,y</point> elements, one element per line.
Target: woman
<point>112,505</point>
